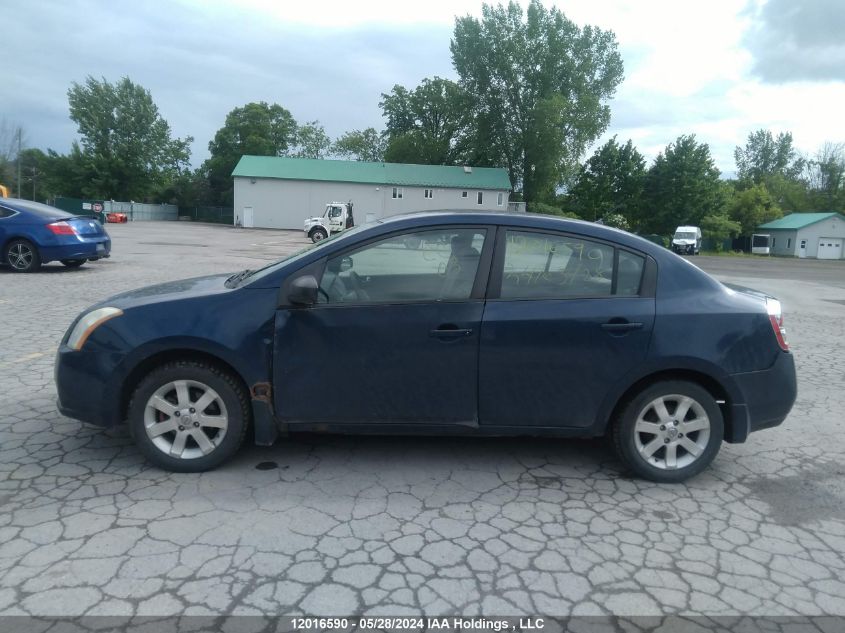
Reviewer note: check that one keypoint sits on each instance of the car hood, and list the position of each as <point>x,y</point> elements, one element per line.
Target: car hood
<point>684,240</point>
<point>172,290</point>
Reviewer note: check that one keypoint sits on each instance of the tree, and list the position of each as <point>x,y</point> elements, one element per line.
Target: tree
<point>719,227</point>
<point>364,145</point>
<point>126,146</point>
<point>312,141</point>
<point>538,86</point>
<point>825,178</point>
<point>682,187</point>
<point>752,207</point>
<point>765,156</point>
<point>36,170</point>
<point>617,221</point>
<point>255,129</point>
<point>11,139</point>
<point>427,125</point>
<point>611,181</point>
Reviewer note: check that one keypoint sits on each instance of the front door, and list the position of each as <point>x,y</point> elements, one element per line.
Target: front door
<point>249,219</point>
<point>570,319</point>
<point>393,338</point>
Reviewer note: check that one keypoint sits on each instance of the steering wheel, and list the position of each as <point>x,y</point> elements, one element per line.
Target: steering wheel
<point>357,286</point>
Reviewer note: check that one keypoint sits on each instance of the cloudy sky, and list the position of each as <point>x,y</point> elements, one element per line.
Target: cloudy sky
<point>719,69</point>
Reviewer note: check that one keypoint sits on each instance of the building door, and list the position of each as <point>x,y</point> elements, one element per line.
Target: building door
<point>830,248</point>
<point>802,249</point>
<point>249,217</point>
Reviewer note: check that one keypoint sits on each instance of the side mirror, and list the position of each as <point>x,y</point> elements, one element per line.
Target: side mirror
<point>303,291</point>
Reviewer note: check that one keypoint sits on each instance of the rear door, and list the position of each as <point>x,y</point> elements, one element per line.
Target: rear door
<point>566,319</point>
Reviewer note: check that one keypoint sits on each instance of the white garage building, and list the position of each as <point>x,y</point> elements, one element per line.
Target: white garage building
<point>280,192</point>
<point>820,235</point>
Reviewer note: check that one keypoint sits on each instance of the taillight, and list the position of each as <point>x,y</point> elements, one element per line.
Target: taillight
<point>61,228</point>
<point>773,307</point>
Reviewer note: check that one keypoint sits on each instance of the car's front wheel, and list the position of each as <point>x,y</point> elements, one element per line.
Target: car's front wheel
<point>22,256</point>
<point>188,416</point>
<point>73,263</point>
<point>318,235</point>
<point>669,432</point>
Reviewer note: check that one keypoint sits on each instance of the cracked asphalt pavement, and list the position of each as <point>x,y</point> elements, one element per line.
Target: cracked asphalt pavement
<point>353,525</point>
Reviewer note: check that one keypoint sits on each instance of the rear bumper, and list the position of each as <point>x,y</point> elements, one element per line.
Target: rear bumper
<point>768,397</point>
<point>85,248</point>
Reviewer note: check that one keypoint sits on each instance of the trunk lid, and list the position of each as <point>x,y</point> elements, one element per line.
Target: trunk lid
<point>86,227</point>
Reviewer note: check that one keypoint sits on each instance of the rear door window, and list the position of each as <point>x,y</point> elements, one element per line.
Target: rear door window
<point>556,266</point>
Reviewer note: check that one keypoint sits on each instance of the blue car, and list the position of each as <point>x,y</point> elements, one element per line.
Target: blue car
<point>32,234</point>
<point>446,323</point>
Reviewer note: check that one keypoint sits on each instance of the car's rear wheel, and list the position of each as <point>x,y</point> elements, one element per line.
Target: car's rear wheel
<point>669,432</point>
<point>188,416</point>
<point>73,263</point>
<point>22,256</point>
<point>318,235</point>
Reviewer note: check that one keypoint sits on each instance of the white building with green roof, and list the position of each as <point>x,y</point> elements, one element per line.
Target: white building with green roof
<point>819,235</point>
<point>280,192</point>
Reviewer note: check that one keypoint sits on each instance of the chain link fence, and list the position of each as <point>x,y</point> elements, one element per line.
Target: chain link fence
<point>217,215</point>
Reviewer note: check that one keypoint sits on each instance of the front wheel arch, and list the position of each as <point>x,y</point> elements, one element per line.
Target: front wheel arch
<point>155,361</point>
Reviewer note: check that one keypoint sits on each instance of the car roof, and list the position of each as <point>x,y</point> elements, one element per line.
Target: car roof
<point>28,206</point>
<point>523,220</point>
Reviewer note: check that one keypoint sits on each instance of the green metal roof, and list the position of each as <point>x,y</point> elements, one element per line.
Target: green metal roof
<point>372,173</point>
<point>799,220</point>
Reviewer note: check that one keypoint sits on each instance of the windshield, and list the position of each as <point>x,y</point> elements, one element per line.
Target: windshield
<point>273,267</point>
<point>684,236</point>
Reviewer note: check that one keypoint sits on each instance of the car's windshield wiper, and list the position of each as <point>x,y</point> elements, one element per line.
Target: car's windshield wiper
<point>237,277</point>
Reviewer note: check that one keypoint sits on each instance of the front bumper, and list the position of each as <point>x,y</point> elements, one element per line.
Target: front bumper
<point>86,386</point>
<point>768,394</point>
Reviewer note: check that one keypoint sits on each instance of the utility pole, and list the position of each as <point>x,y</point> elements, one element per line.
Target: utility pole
<point>19,161</point>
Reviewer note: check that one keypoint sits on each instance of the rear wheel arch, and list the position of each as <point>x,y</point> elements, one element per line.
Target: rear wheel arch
<point>706,381</point>
<point>35,248</point>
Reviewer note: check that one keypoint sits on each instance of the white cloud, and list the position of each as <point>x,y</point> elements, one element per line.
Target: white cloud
<point>689,66</point>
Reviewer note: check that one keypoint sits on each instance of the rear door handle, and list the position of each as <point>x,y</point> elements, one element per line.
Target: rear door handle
<point>451,333</point>
<point>621,326</point>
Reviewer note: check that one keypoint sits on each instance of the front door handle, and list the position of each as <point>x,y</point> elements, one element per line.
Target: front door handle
<point>620,326</point>
<point>447,332</point>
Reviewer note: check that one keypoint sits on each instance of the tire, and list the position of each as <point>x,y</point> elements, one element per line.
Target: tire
<point>22,256</point>
<point>73,263</point>
<point>641,432</point>
<point>174,387</point>
<point>318,235</point>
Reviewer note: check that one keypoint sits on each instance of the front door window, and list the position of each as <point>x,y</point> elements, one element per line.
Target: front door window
<point>436,265</point>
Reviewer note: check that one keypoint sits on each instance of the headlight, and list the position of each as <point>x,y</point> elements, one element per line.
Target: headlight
<point>88,323</point>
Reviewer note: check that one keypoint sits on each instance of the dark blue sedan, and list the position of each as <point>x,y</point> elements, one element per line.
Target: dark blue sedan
<point>473,324</point>
<point>32,234</point>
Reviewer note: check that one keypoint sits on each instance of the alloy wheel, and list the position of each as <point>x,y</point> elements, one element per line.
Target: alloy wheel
<point>19,256</point>
<point>672,432</point>
<point>186,419</point>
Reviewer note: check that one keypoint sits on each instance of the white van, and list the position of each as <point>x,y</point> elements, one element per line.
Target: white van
<point>687,240</point>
